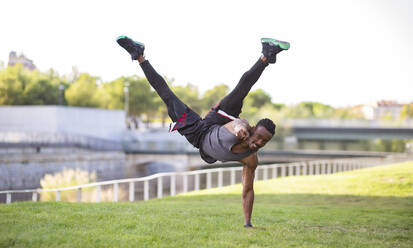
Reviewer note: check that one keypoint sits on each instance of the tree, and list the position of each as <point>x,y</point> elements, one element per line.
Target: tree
<point>41,92</point>
<point>258,98</point>
<point>83,92</point>
<point>213,96</point>
<point>13,80</point>
<point>190,96</point>
<point>112,95</point>
<point>407,111</point>
<point>278,106</point>
<point>141,97</point>
<point>318,110</point>
<point>348,113</point>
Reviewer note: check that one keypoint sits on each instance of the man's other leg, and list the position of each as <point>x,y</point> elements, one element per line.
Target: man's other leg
<point>232,103</point>
<point>175,106</point>
<point>187,122</point>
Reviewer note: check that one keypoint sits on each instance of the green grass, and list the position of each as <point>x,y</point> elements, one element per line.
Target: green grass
<point>365,208</point>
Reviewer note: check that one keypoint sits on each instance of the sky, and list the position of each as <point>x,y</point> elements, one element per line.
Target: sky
<point>342,53</point>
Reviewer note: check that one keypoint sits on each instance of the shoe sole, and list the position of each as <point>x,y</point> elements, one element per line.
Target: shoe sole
<point>126,37</point>
<point>283,44</point>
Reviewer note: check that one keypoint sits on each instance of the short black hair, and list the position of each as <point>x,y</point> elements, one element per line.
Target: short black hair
<point>268,124</point>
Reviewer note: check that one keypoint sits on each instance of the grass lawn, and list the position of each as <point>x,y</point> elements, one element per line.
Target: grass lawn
<point>364,208</point>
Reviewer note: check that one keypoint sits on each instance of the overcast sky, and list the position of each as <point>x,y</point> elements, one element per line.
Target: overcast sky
<point>342,52</point>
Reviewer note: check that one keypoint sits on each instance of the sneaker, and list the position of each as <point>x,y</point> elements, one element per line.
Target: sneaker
<point>271,47</point>
<point>134,48</point>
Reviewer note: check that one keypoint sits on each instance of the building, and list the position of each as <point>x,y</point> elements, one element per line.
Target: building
<point>380,110</point>
<point>21,59</point>
<point>38,121</point>
<point>388,109</point>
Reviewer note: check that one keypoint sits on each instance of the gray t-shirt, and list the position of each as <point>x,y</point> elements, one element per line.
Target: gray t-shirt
<point>217,144</point>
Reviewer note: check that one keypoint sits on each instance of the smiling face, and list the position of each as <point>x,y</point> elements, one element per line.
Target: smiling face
<point>259,137</point>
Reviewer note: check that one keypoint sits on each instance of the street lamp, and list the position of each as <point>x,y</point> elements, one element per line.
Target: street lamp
<point>126,91</point>
<point>61,88</point>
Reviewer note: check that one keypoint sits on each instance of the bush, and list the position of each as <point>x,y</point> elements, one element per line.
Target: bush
<point>70,177</point>
<point>67,178</point>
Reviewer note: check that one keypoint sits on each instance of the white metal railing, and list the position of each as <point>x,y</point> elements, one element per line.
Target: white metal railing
<point>263,172</point>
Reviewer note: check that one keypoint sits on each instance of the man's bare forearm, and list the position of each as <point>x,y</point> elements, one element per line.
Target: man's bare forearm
<point>247,205</point>
<point>248,173</point>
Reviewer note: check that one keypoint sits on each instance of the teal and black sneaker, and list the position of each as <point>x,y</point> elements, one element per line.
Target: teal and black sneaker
<point>134,48</point>
<point>271,47</point>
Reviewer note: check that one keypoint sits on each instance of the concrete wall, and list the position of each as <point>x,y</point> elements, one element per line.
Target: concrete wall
<point>28,118</point>
<point>99,123</point>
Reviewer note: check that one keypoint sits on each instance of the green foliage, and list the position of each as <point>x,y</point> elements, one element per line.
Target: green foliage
<point>317,110</point>
<point>257,105</point>
<point>190,96</point>
<point>82,92</point>
<point>391,145</point>
<point>66,178</point>
<point>41,92</point>
<point>258,98</point>
<point>390,180</point>
<point>19,86</point>
<point>141,97</point>
<point>278,106</point>
<point>12,83</point>
<point>348,113</point>
<point>212,96</point>
<point>111,94</point>
<point>407,111</point>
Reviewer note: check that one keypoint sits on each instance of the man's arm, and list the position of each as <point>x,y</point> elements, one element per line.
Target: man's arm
<point>248,173</point>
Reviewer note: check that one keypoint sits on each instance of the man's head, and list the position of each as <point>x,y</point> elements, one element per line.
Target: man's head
<point>261,134</point>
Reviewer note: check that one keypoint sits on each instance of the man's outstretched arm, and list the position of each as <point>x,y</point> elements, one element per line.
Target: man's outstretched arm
<point>248,172</point>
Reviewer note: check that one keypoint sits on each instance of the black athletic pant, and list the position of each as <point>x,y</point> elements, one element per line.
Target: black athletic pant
<point>232,103</point>
<point>189,123</point>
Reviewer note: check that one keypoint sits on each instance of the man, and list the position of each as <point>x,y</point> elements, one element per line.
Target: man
<point>221,135</point>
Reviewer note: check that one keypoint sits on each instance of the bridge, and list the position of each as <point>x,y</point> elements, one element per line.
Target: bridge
<point>351,133</point>
<point>322,134</point>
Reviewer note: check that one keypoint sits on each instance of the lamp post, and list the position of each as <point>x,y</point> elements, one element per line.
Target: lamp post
<point>126,91</point>
<point>61,88</point>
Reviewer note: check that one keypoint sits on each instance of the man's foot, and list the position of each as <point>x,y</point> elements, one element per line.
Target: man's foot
<point>134,48</point>
<point>271,47</point>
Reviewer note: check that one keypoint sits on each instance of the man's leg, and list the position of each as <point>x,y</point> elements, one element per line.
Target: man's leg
<point>232,103</point>
<point>188,123</point>
<point>174,105</point>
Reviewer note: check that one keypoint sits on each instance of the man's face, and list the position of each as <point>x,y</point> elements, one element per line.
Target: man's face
<point>259,137</point>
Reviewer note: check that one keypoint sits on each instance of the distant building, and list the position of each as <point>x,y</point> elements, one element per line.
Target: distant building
<point>14,59</point>
<point>381,109</point>
<point>389,108</point>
